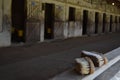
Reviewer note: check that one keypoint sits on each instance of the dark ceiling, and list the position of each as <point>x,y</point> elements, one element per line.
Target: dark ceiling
<point>117,2</point>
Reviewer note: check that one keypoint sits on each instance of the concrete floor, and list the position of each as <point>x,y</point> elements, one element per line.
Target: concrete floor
<point>110,72</point>
<point>116,77</point>
<point>45,60</point>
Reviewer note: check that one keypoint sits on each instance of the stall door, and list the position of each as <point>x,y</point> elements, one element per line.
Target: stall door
<point>96,22</point>
<point>71,14</point>
<point>18,20</point>
<point>49,21</point>
<point>85,21</point>
<point>116,23</point>
<point>119,23</point>
<point>111,22</point>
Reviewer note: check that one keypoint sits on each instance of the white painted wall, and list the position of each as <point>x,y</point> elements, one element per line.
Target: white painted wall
<point>78,29</point>
<point>5,36</point>
<point>65,31</point>
<point>107,23</point>
<point>70,29</point>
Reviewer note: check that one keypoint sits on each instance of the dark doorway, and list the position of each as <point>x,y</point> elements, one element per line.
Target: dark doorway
<point>111,22</point>
<point>85,21</point>
<point>18,20</point>
<point>104,22</point>
<point>49,21</point>
<point>96,22</point>
<point>119,19</point>
<point>119,24</point>
<point>71,14</point>
<point>115,23</point>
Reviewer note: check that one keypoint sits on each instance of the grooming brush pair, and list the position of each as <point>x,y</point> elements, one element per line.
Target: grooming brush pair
<point>88,62</point>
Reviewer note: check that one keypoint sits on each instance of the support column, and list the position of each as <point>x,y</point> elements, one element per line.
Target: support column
<point>100,24</point>
<point>78,23</point>
<point>117,29</point>
<point>59,22</point>
<point>114,24</point>
<point>107,27</point>
<point>91,23</point>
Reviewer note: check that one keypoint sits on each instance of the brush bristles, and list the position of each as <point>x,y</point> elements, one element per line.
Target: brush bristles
<point>83,66</point>
<point>97,59</point>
